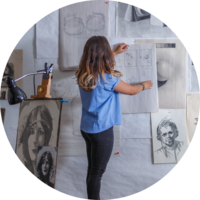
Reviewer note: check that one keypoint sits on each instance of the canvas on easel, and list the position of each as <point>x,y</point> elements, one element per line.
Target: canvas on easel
<point>38,127</point>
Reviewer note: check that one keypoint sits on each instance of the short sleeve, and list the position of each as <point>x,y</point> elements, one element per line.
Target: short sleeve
<point>112,83</point>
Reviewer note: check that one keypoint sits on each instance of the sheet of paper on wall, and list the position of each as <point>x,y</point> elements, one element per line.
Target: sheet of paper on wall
<point>136,126</point>
<point>47,36</point>
<point>79,22</point>
<point>138,64</point>
<point>71,141</point>
<point>193,79</point>
<point>193,105</point>
<point>134,22</point>
<point>14,69</point>
<point>169,133</point>
<point>171,72</point>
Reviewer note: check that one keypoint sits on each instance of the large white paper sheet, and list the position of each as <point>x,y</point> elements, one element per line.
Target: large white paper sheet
<point>125,175</point>
<point>138,64</point>
<point>79,22</point>
<point>193,105</point>
<point>136,125</point>
<point>171,72</point>
<point>193,79</point>
<point>47,36</point>
<point>134,22</point>
<point>112,39</point>
<point>71,141</point>
<point>169,133</point>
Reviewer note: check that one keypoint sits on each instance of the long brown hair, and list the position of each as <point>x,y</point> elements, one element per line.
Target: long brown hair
<point>96,60</point>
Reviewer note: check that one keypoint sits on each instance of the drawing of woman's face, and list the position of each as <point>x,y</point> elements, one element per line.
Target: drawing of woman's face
<point>36,138</point>
<point>167,136</point>
<point>59,88</point>
<point>45,166</point>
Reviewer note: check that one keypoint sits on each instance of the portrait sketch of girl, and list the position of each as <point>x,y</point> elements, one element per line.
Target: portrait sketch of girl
<point>38,126</point>
<point>45,166</point>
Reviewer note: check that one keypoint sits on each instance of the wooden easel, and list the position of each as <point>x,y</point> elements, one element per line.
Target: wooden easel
<point>43,91</point>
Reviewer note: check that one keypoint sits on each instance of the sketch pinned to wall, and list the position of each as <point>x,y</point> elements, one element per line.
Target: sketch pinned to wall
<point>39,124</point>
<point>193,105</point>
<point>79,22</point>
<point>134,22</point>
<point>139,65</point>
<point>145,57</point>
<point>193,79</point>
<point>171,72</point>
<point>13,69</point>
<point>130,58</point>
<point>46,164</point>
<point>169,134</point>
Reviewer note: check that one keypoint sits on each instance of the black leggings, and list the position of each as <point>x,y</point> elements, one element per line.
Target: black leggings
<point>99,148</point>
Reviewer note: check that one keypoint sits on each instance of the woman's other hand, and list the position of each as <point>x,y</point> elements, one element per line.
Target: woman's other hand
<point>147,84</point>
<point>120,49</point>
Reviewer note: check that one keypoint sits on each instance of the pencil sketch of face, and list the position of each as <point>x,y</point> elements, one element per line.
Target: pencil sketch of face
<point>59,87</point>
<point>75,27</point>
<point>45,166</point>
<point>167,132</point>
<point>37,132</point>
<point>130,58</point>
<point>145,57</point>
<point>36,138</point>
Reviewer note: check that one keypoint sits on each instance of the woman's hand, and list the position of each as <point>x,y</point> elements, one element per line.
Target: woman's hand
<point>120,49</point>
<point>147,84</point>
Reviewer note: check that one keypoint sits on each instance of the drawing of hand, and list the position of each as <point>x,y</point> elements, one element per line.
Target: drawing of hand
<point>120,49</point>
<point>147,85</point>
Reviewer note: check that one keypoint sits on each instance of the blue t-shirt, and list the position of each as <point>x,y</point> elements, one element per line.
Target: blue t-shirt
<point>101,108</point>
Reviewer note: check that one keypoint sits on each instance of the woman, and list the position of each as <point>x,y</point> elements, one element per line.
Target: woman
<point>45,167</point>
<point>99,86</point>
<point>37,132</point>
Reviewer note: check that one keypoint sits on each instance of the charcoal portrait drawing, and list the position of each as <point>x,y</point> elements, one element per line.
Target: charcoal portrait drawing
<point>167,132</point>
<point>37,132</point>
<point>46,167</point>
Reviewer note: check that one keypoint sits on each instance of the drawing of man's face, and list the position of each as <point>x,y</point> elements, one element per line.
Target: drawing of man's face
<point>35,139</point>
<point>167,136</point>
<point>45,166</point>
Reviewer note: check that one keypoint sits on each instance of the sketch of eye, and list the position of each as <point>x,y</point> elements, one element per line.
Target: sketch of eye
<point>73,25</point>
<point>95,22</point>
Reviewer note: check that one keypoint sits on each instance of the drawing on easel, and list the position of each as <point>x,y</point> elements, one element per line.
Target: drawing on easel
<point>145,58</point>
<point>169,135</point>
<point>38,125</point>
<point>130,58</point>
<point>46,164</point>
